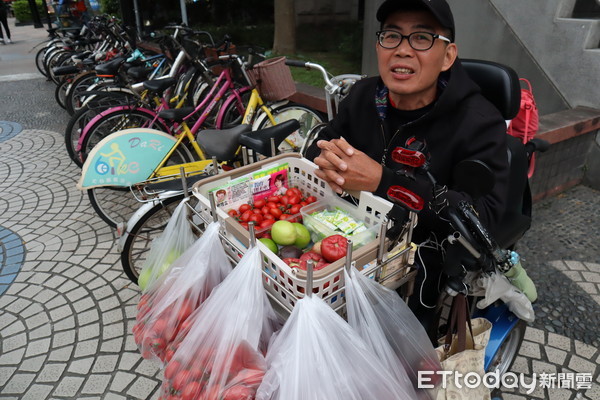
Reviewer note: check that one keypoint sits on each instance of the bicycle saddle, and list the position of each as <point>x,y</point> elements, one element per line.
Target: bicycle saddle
<point>260,141</point>
<point>222,143</point>
<point>176,114</point>
<point>139,73</point>
<point>159,85</point>
<point>109,68</point>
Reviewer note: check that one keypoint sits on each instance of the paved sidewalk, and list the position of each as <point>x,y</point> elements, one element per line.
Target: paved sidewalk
<point>67,309</point>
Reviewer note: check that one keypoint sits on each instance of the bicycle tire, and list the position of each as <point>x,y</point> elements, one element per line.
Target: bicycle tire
<point>79,85</point>
<point>232,111</point>
<point>57,61</point>
<point>116,121</point>
<point>60,93</point>
<point>116,205</point>
<point>74,128</point>
<point>146,229</point>
<point>39,60</point>
<point>308,118</point>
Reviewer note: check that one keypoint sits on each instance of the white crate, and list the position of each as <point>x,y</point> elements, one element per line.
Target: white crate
<point>285,284</point>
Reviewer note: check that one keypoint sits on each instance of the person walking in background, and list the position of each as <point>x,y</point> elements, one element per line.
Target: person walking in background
<point>4,21</point>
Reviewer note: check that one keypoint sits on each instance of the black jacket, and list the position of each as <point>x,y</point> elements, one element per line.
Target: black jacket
<point>460,125</point>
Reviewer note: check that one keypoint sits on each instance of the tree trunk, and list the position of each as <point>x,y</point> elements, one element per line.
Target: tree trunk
<point>285,27</point>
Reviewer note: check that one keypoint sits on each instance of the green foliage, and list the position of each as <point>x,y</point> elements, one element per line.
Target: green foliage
<point>111,7</point>
<point>23,12</point>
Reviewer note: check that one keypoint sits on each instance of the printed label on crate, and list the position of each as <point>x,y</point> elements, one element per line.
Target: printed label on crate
<point>233,194</point>
<point>270,182</point>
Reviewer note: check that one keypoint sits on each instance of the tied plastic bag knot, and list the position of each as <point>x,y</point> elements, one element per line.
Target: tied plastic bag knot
<point>318,356</point>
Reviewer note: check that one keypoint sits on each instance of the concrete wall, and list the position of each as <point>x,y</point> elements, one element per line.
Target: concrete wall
<point>532,36</point>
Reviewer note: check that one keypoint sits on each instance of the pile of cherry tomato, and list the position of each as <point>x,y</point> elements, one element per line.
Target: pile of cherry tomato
<point>264,212</point>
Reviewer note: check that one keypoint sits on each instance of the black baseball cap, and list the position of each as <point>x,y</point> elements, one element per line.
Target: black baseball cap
<point>439,8</point>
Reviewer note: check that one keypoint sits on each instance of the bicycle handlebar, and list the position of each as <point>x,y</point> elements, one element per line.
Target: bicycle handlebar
<point>309,65</point>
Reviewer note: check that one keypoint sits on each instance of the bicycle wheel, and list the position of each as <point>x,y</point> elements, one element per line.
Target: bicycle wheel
<point>116,205</point>
<point>232,111</point>
<point>118,120</point>
<point>39,61</point>
<point>150,226</point>
<point>56,61</point>
<point>307,117</point>
<point>76,93</point>
<point>74,128</point>
<point>60,93</point>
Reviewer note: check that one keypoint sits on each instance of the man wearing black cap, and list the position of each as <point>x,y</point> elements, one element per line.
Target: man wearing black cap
<point>422,93</point>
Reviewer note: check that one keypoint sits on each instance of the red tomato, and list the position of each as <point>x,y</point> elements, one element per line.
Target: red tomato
<point>257,211</point>
<point>172,368</point>
<point>244,224</point>
<point>245,217</point>
<point>273,199</point>
<point>191,391</point>
<point>292,262</point>
<point>295,209</point>
<point>233,213</point>
<point>266,223</point>
<point>303,203</point>
<point>334,247</point>
<point>311,199</point>
<point>295,199</point>
<point>260,203</point>
<point>272,204</point>
<point>268,216</point>
<point>245,207</point>
<point>238,392</point>
<point>285,200</point>
<point>180,380</point>
<point>256,218</point>
<point>311,255</point>
<point>276,212</point>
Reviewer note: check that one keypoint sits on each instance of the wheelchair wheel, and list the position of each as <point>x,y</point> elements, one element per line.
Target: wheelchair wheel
<point>507,353</point>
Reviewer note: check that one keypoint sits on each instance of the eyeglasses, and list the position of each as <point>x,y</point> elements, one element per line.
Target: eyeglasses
<point>420,41</point>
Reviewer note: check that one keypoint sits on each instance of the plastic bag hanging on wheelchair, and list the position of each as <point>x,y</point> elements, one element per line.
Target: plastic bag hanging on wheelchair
<point>384,321</point>
<point>318,356</point>
<point>165,249</point>
<point>165,308</point>
<point>220,354</point>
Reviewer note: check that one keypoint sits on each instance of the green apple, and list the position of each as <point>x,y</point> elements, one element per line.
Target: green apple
<point>302,235</point>
<point>270,244</point>
<point>283,232</point>
<point>144,278</point>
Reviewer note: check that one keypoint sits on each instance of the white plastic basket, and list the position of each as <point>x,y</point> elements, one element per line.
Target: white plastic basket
<point>285,284</point>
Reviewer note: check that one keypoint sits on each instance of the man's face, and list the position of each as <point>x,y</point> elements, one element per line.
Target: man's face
<point>411,75</point>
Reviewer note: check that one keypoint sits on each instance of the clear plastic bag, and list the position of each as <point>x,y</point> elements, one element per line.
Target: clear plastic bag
<point>391,330</point>
<point>221,354</point>
<point>318,356</point>
<point>497,286</point>
<point>165,249</point>
<point>164,309</point>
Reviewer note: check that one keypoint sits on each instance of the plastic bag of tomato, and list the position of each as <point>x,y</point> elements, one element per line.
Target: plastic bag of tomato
<point>221,353</point>
<point>165,309</point>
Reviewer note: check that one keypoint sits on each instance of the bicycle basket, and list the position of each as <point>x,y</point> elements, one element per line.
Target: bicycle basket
<point>273,79</point>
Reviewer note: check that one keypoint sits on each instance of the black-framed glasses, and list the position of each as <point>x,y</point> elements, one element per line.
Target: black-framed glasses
<point>420,41</point>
